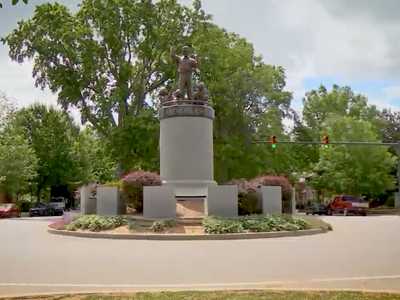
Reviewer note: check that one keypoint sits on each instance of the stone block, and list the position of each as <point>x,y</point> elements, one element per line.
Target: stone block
<point>397,200</point>
<point>293,210</point>
<point>109,202</point>
<point>222,201</point>
<point>159,202</point>
<point>88,202</point>
<point>271,199</point>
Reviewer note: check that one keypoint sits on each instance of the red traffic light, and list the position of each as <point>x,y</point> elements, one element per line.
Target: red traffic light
<point>325,140</point>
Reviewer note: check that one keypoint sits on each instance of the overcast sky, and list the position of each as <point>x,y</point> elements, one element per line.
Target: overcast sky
<point>348,42</point>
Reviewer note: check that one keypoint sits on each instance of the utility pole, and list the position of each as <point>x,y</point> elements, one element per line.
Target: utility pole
<point>397,194</point>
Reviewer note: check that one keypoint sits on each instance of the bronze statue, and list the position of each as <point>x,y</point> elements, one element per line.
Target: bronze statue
<point>186,66</point>
<point>201,93</point>
<point>165,96</point>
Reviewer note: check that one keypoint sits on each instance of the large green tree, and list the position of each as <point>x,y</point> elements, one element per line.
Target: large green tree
<point>322,104</point>
<point>6,110</point>
<point>106,58</point>
<point>249,101</point>
<point>96,161</point>
<point>390,128</point>
<point>18,162</point>
<point>52,135</point>
<point>355,170</point>
<point>110,58</point>
<point>14,2</point>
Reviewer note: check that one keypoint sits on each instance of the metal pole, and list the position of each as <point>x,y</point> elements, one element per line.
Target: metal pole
<point>397,194</point>
<point>330,143</point>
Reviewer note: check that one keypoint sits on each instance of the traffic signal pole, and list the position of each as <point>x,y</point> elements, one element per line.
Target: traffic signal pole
<point>397,195</point>
<point>326,142</point>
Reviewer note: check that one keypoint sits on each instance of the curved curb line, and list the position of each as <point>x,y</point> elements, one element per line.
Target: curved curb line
<point>188,237</point>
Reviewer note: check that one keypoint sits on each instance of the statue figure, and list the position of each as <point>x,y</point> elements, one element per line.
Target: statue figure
<point>164,96</point>
<point>186,65</point>
<point>201,93</point>
<point>177,95</point>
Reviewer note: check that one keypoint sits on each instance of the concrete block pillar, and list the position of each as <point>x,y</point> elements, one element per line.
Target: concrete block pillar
<point>88,203</point>
<point>271,199</point>
<point>159,202</point>
<point>293,202</point>
<point>222,201</point>
<point>109,202</point>
<point>397,200</point>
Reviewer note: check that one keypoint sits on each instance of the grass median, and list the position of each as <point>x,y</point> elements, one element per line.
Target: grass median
<point>237,295</point>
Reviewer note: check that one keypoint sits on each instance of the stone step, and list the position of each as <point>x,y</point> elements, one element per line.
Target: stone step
<point>190,208</point>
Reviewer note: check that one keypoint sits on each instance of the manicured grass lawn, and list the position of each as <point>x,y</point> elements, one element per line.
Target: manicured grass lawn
<point>240,295</point>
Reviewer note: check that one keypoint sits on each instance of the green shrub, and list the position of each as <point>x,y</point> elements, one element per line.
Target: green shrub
<point>162,225</point>
<point>24,206</point>
<point>248,200</point>
<point>248,203</point>
<point>132,187</point>
<point>96,223</point>
<point>132,226</point>
<point>253,224</point>
<point>219,225</point>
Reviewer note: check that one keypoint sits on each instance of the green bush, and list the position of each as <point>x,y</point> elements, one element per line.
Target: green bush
<point>214,225</point>
<point>248,203</point>
<point>132,187</point>
<point>132,226</point>
<point>96,223</point>
<point>24,206</point>
<point>162,225</point>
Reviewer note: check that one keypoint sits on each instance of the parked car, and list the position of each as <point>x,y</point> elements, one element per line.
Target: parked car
<point>43,209</point>
<point>9,210</point>
<point>346,204</point>
<point>58,204</point>
<point>317,209</point>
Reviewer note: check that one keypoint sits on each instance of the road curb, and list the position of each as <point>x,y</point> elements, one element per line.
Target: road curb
<point>188,237</point>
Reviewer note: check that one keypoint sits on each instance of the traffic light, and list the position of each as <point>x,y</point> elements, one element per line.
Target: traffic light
<point>325,141</point>
<point>273,142</point>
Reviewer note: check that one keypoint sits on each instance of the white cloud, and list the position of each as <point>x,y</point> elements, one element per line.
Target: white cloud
<point>351,40</point>
<point>16,82</point>
<point>393,92</point>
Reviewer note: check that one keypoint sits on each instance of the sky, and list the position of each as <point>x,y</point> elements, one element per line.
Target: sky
<point>354,43</point>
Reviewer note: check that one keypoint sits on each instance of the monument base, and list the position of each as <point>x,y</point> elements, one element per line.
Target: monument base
<point>189,188</point>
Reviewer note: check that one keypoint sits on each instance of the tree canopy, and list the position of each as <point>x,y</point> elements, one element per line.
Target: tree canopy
<point>53,137</point>
<point>355,170</point>
<point>14,2</point>
<point>109,59</point>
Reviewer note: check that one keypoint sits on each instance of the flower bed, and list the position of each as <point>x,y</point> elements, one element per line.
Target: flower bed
<point>214,225</point>
<point>209,225</point>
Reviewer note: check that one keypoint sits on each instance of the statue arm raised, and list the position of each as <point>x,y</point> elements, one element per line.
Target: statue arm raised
<point>174,57</point>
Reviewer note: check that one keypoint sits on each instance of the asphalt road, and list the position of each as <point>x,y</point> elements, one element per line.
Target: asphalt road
<point>361,253</point>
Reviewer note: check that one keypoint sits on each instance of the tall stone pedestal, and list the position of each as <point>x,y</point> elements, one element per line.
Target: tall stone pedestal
<point>186,149</point>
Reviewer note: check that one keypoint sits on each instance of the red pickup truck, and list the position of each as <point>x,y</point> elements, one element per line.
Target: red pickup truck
<point>345,204</point>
